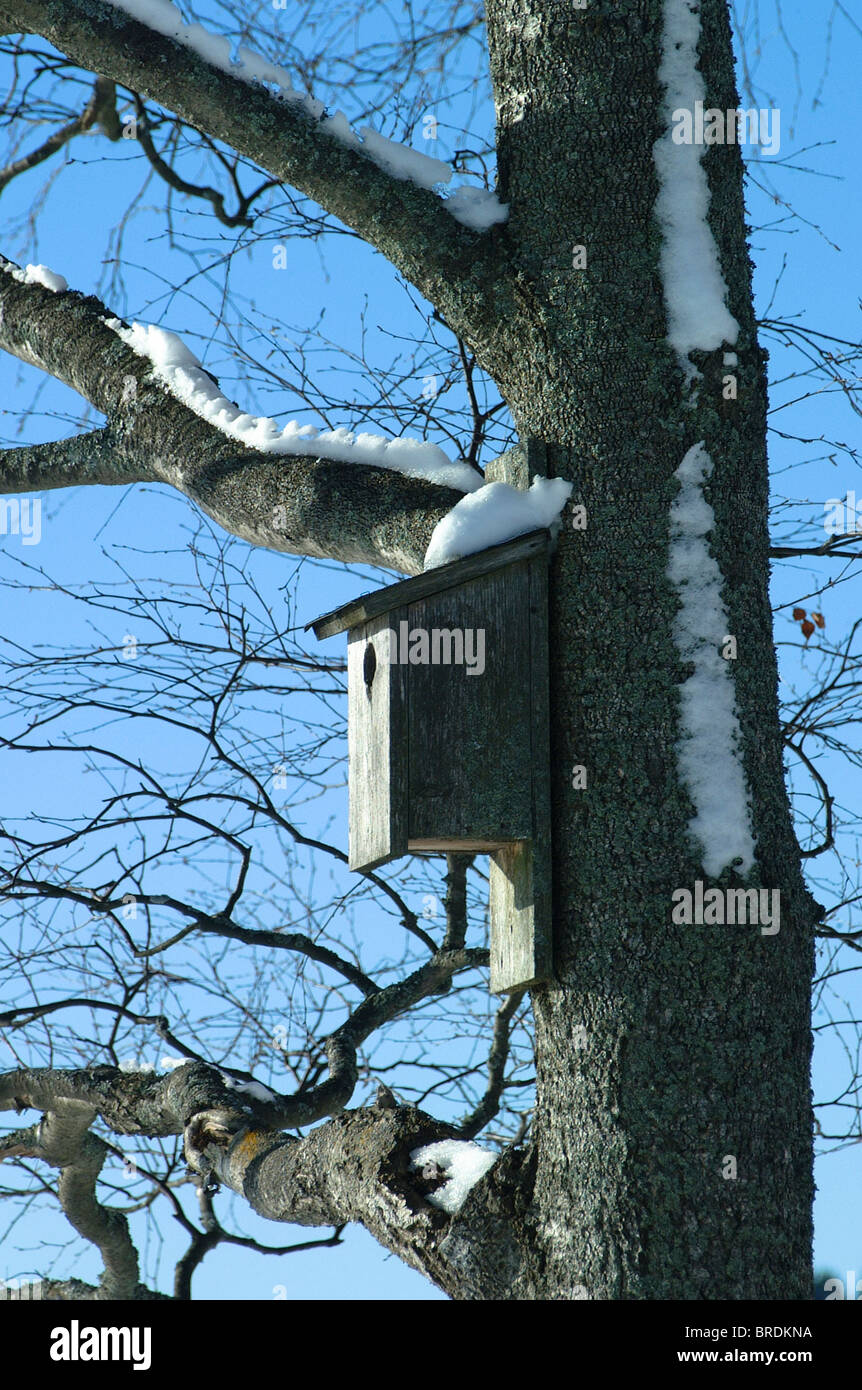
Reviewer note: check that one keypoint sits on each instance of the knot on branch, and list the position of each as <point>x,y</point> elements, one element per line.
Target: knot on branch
<point>210,1127</point>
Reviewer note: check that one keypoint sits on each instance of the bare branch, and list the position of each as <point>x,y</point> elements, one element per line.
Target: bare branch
<point>497,1059</point>
<point>213,1234</point>
<point>83,459</point>
<point>278,941</point>
<point>240,218</point>
<point>833,547</point>
<point>63,1140</point>
<point>828,803</point>
<point>159,1106</point>
<point>459,270</point>
<point>101,109</point>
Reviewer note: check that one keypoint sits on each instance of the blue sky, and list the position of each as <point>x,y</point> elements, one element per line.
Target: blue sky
<point>805,267</point>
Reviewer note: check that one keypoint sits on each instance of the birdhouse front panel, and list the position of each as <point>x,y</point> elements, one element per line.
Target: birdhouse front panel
<point>468,715</point>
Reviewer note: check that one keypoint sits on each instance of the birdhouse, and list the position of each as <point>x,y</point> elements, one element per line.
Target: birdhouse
<point>447,678</point>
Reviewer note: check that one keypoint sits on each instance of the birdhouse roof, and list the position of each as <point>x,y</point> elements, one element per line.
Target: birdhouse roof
<point>367,606</point>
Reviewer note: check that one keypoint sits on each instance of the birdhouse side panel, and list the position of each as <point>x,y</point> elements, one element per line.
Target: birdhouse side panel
<point>376,735</point>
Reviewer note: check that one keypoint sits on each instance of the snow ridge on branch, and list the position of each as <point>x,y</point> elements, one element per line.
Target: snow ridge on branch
<point>476,208</point>
<point>177,367</point>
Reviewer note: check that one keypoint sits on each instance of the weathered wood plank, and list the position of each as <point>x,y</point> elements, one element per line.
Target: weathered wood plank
<point>377,747</point>
<point>468,782</point>
<point>442,760</point>
<point>520,947</point>
<point>511,468</point>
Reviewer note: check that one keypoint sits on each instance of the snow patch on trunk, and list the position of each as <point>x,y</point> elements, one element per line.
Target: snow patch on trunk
<point>181,372</point>
<point>695,291</point>
<point>493,514</point>
<point>472,206</point>
<point>461,1163</point>
<point>709,754</point>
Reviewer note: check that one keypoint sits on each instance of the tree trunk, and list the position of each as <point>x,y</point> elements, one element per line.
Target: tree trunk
<point>674,1131</point>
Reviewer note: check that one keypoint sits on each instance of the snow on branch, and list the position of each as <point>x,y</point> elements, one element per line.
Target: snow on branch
<point>357,499</point>
<point>36,275</point>
<point>353,1168</point>
<point>178,369</point>
<point>487,516</point>
<point>473,207</point>
<point>376,187</point>
<point>460,1163</point>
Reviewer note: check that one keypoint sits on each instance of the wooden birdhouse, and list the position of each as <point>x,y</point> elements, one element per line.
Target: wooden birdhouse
<point>448,733</point>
